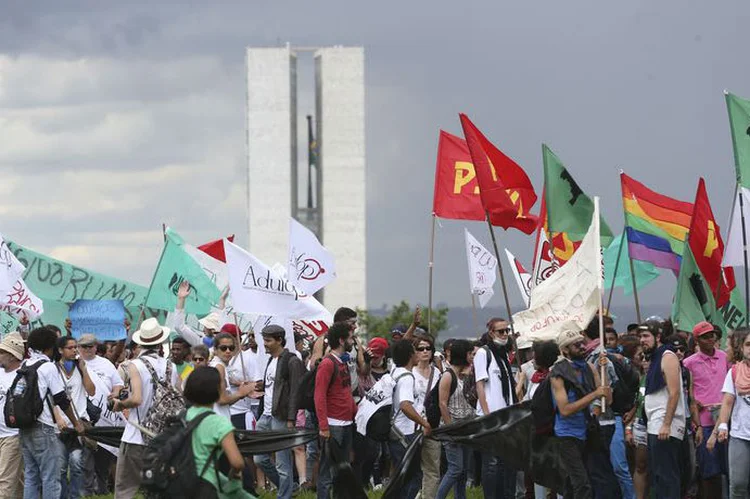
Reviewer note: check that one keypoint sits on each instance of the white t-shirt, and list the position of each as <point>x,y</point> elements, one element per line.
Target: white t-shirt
<point>50,384</point>
<point>222,410</point>
<point>132,435</point>
<point>234,373</point>
<point>76,393</point>
<point>6,379</point>
<point>421,388</point>
<point>403,392</point>
<point>105,377</point>
<point>493,389</point>
<point>740,411</point>
<point>268,385</point>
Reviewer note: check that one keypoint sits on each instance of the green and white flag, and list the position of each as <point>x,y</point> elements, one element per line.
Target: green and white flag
<point>175,266</point>
<point>739,122</point>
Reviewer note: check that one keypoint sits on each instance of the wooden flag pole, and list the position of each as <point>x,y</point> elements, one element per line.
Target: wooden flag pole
<point>474,321</point>
<point>429,273</point>
<point>744,255</point>
<point>239,345</point>
<point>598,256</point>
<point>614,275</point>
<point>632,269</point>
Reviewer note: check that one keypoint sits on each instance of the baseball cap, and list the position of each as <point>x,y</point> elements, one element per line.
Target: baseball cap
<point>399,329</point>
<point>378,346</point>
<point>704,327</point>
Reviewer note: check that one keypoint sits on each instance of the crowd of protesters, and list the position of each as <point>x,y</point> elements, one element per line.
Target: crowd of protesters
<point>653,412</point>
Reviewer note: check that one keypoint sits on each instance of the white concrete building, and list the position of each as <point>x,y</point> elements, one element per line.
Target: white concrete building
<point>272,144</point>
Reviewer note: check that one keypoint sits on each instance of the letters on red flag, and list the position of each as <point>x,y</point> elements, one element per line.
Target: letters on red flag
<point>707,246</point>
<point>504,189</point>
<point>456,187</point>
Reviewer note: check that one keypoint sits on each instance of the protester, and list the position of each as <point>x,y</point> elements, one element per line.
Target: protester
<point>426,375</point>
<point>665,412</point>
<point>282,374</point>
<point>180,353</point>
<point>709,367</point>
<point>150,337</point>
<point>577,392</point>
<point>233,390</point>
<point>406,418</point>
<point>635,432</point>
<point>199,356</point>
<point>202,390</point>
<point>495,390</point>
<point>454,408</point>
<point>12,351</point>
<point>42,453</point>
<point>210,323</point>
<point>334,402</point>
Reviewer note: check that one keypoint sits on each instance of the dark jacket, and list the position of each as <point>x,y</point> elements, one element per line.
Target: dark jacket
<point>289,373</point>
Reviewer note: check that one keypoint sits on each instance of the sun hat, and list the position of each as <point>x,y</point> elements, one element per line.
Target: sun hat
<point>151,333</point>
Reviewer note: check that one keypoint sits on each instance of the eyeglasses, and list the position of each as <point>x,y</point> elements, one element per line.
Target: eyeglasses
<point>225,348</point>
<point>424,349</point>
<point>86,346</point>
<point>199,359</point>
<point>502,331</point>
<point>680,349</point>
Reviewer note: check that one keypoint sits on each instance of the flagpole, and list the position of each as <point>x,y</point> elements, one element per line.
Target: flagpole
<point>614,275</point>
<point>239,345</point>
<point>148,293</point>
<point>429,272</point>
<point>630,260</point>
<point>598,256</point>
<point>744,255</point>
<point>475,322</point>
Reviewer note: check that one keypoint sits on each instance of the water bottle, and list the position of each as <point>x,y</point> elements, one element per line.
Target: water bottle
<point>20,388</point>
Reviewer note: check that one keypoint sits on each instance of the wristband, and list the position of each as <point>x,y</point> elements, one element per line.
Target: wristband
<point>723,427</point>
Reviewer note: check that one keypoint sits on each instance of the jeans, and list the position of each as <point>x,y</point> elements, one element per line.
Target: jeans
<point>498,481</point>
<point>343,436</point>
<point>664,459</point>
<point>739,464</point>
<point>398,451</point>
<point>73,459</point>
<point>280,475</point>
<point>601,475</point>
<point>620,462</point>
<point>573,459</point>
<point>455,477</point>
<point>41,457</point>
<point>311,450</point>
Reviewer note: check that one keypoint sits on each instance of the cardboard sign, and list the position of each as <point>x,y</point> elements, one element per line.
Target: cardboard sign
<point>103,318</point>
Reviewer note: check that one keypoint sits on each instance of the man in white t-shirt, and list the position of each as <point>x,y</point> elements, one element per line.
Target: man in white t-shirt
<point>130,462</point>
<point>11,463</point>
<point>108,383</point>
<point>406,419</point>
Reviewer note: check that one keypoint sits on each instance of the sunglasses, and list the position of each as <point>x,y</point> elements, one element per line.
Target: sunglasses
<point>502,331</point>
<point>199,359</point>
<point>226,348</point>
<point>424,349</point>
<point>86,346</point>
<point>680,349</point>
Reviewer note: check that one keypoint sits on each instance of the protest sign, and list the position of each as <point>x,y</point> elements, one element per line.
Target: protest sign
<point>103,318</point>
<point>482,269</point>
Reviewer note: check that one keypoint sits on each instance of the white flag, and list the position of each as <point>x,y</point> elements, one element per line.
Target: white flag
<point>310,265</point>
<point>733,249</point>
<point>523,277</point>
<point>256,289</point>
<point>11,269</point>
<point>569,295</point>
<point>482,269</point>
<point>19,301</point>
<point>544,264</point>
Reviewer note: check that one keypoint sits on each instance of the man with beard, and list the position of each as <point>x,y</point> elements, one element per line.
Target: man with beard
<point>665,411</point>
<point>575,387</point>
<point>495,391</point>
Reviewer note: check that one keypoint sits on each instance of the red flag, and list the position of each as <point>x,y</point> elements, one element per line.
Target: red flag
<point>456,189</point>
<point>216,248</point>
<point>707,246</point>
<point>505,190</point>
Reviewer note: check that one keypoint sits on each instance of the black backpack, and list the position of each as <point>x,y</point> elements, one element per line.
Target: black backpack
<point>23,404</point>
<point>626,388</point>
<point>380,424</point>
<point>306,390</point>
<point>432,400</point>
<point>169,463</point>
<point>543,408</point>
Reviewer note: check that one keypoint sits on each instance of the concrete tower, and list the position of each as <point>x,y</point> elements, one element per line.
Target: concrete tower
<point>338,217</point>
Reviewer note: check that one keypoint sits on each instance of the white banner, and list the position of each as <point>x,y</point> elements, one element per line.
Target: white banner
<point>256,289</point>
<point>544,264</point>
<point>523,277</point>
<point>569,295</point>
<point>482,269</point>
<point>21,302</point>
<point>733,249</point>
<point>11,269</point>
<point>310,265</point>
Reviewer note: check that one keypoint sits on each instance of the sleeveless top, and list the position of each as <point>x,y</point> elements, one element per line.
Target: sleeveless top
<point>458,407</point>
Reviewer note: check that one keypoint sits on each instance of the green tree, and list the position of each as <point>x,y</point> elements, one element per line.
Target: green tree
<point>402,313</point>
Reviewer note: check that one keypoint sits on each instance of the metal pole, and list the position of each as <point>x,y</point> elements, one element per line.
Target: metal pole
<point>614,275</point>
<point>475,321</point>
<point>598,256</point>
<point>632,269</point>
<point>744,255</point>
<point>429,272</point>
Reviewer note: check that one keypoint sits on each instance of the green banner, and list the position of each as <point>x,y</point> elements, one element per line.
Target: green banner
<point>8,324</point>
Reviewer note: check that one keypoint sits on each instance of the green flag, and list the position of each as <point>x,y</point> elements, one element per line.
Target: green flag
<point>8,324</point>
<point>175,266</point>
<point>569,209</point>
<point>645,272</point>
<point>693,301</point>
<point>739,121</point>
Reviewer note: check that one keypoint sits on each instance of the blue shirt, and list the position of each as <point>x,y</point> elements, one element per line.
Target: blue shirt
<point>573,425</point>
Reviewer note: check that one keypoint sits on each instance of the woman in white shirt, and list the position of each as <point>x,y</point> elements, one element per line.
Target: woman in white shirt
<point>426,376</point>
<point>225,347</point>
<point>735,406</point>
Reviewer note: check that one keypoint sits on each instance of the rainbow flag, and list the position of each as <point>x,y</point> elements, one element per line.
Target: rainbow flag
<point>656,225</point>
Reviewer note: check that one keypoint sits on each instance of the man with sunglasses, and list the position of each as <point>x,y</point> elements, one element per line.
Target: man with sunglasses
<point>708,366</point>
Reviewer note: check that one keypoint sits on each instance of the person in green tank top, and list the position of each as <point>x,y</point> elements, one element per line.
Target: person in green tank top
<point>202,391</point>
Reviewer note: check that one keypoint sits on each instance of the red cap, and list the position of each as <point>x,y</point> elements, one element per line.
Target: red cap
<point>229,328</point>
<point>702,328</point>
<point>378,346</point>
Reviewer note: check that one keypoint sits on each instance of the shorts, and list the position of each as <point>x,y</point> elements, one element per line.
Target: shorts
<point>640,436</point>
<point>713,463</point>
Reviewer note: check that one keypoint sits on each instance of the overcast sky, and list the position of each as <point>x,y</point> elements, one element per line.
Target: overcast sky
<point>117,117</point>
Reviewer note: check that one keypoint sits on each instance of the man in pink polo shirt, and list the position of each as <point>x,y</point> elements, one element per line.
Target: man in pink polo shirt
<point>708,366</point>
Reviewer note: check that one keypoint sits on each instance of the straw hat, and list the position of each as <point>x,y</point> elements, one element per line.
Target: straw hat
<point>211,321</point>
<point>151,333</point>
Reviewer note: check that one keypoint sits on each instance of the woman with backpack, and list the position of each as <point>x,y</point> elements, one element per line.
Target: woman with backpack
<point>212,438</point>
<point>455,408</point>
